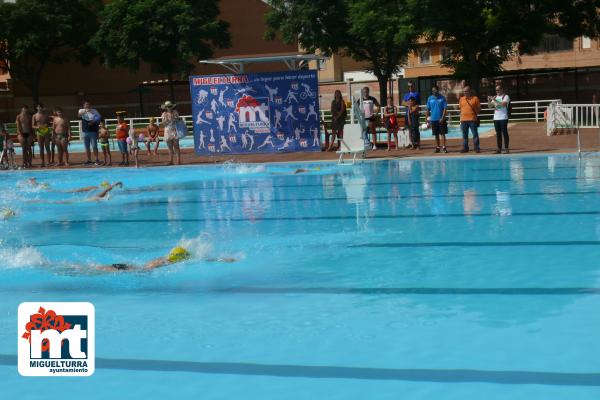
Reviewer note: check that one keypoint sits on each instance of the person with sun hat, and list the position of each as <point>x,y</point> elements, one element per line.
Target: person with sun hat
<point>169,119</point>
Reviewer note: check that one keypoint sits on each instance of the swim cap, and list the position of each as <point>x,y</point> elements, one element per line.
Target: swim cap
<point>104,185</point>
<point>7,213</point>
<point>178,254</point>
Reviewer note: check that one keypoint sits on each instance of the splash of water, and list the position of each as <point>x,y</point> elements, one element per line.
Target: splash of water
<point>199,247</point>
<point>21,257</point>
<point>243,169</point>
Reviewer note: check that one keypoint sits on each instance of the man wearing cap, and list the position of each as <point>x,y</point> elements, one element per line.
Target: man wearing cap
<point>90,122</point>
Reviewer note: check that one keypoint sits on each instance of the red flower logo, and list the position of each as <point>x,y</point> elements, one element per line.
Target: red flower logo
<point>42,321</point>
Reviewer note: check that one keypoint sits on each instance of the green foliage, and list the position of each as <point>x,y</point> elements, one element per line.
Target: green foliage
<point>166,34</point>
<point>380,33</point>
<point>483,34</point>
<point>36,33</point>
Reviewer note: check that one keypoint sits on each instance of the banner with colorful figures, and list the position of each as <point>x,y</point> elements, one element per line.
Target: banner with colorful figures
<point>256,113</point>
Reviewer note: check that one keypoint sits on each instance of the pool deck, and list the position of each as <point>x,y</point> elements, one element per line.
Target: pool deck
<point>525,137</point>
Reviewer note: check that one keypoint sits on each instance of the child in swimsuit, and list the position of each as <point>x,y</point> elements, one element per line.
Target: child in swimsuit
<point>104,135</point>
<point>391,123</point>
<point>7,159</point>
<point>152,130</point>
<point>135,146</point>
<point>122,133</point>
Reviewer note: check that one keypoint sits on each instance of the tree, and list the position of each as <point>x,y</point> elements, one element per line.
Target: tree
<point>378,32</point>
<point>34,34</point>
<point>165,34</point>
<point>483,34</point>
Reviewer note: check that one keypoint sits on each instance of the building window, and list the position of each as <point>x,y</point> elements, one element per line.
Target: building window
<point>425,56</point>
<point>445,53</point>
<point>552,43</point>
<point>586,42</point>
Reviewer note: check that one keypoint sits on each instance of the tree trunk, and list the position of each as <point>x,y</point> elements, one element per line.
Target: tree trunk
<point>35,94</point>
<point>475,78</point>
<point>171,89</point>
<point>383,89</point>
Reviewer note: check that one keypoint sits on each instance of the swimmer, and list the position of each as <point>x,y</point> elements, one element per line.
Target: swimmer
<point>103,185</point>
<point>295,172</point>
<point>105,192</point>
<point>102,195</point>
<point>34,183</point>
<point>176,255</point>
<point>7,213</point>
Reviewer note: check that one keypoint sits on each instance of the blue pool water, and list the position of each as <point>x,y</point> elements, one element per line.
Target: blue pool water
<point>471,278</point>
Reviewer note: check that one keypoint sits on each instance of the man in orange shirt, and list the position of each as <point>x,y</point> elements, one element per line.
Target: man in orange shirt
<point>469,119</point>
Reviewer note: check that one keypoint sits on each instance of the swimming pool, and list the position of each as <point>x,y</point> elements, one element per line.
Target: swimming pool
<point>462,278</point>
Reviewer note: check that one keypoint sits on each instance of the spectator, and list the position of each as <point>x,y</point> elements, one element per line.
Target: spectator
<point>90,121</point>
<point>437,108</point>
<point>469,119</point>
<point>62,136</point>
<point>500,105</point>
<point>412,94</point>
<point>414,113</point>
<point>169,119</point>
<point>391,122</point>
<point>338,118</point>
<point>104,136</point>
<point>152,131</point>
<point>39,123</point>
<point>7,159</point>
<point>25,135</point>
<point>122,133</point>
<point>370,107</point>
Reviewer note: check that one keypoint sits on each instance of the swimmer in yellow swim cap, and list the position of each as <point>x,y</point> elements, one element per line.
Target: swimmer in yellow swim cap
<point>6,213</point>
<point>176,255</point>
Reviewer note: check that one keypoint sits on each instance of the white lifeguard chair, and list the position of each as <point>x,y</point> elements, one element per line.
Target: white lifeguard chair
<point>352,143</point>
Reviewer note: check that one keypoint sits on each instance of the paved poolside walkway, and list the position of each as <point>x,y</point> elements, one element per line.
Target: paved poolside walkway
<point>526,137</point>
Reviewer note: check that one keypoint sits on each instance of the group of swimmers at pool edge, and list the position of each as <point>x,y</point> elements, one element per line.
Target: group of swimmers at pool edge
<point>54,132</point>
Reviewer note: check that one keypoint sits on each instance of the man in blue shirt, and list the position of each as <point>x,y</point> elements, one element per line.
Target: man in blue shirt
<point>412,92</point>
<point>437,108</point>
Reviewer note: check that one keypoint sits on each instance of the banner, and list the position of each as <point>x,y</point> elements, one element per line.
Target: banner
<point>256,113</point>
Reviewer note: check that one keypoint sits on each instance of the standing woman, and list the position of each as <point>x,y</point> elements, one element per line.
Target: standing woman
<point>169,119</point>
<point>338,118</point>
<point>500,105</point>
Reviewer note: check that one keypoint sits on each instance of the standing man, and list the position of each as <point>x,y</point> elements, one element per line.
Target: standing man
<point>437,108</point>
<point>90,122</point>
<point>25,135</point>
<point>370,107</point>
<point>500,105</point>
<point>39,122</point>
<point>412,94</point>
<point>469,119</point>
<point>62,136</point>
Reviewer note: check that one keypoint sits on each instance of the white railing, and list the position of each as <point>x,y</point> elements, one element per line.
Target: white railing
<point>569,117</point>
<point>529,110</point>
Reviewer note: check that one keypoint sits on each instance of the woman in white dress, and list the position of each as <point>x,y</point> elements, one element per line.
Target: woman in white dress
<point>169,119</point>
